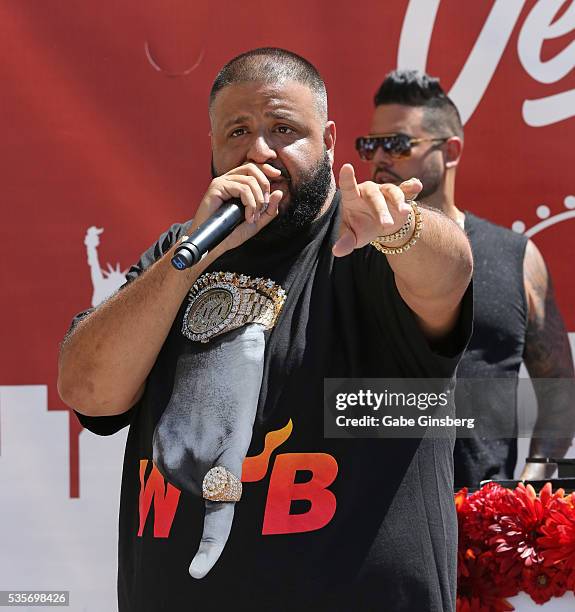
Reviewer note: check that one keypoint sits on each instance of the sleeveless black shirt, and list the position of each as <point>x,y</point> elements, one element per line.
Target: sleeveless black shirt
<point>495,351</point>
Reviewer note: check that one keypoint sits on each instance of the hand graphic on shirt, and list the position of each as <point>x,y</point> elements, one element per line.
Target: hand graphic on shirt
<point>208,422</point>
<point>209,419</point>
<point>369,210</point>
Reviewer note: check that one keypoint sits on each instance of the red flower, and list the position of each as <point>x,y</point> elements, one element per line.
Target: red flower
<point>543,583</point>
<point>480,509</point>
<point>481,587</point>
<point>511,541</point>
<point>517,529</point>
<point>557,543</point>
<point>475,604</point>
<point>476,588</point>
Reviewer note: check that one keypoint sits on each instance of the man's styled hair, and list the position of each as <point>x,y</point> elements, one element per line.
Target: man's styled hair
<point>272,65</point>
<point>415,88</point>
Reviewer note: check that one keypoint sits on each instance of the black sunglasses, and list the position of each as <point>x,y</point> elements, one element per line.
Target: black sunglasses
<point>397,145</point>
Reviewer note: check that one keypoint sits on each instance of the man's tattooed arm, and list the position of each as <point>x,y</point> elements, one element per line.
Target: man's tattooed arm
<point>547,355</point>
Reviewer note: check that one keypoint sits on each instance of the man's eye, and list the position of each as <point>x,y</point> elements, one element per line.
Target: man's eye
<point>238,132</point>
<point>284,129</point>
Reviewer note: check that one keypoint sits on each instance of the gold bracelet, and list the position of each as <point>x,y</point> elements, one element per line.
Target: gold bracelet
<point>404,247</point>
<point>400,233</point>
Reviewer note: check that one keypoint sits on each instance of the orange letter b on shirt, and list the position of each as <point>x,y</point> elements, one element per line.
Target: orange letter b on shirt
<point>283,490</point>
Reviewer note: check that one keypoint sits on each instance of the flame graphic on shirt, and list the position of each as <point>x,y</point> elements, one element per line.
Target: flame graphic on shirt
<point>255,468</point>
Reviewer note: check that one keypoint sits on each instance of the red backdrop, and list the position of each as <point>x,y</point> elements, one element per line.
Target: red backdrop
<point>93,134</point>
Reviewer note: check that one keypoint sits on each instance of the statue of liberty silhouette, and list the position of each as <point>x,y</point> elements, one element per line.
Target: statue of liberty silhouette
<point>104,282</point>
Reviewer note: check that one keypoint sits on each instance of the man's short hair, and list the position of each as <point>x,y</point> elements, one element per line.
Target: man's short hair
<point>415,88</point>
<point>272,65</point>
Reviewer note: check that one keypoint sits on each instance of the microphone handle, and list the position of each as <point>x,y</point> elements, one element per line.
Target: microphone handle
<point>209,234</point>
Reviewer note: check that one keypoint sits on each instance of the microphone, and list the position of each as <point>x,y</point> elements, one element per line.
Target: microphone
<point>209,234</point>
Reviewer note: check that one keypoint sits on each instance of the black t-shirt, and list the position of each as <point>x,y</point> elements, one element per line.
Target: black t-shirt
<point>376,528</point>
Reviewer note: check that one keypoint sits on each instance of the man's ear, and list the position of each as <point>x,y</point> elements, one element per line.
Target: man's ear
<point>453,151</point>
<point>329,139</point>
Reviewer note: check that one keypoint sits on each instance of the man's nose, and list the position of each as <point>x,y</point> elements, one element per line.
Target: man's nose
<point>260,151</point>
<point>381,158</point>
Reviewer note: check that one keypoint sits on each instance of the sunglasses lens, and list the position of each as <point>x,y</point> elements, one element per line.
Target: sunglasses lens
<point>365,147</point>
<point>400,146</point>
<point>395,145</point>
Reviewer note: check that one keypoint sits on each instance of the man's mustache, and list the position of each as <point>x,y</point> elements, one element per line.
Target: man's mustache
<point>388,172</point>
<point>284,173</point>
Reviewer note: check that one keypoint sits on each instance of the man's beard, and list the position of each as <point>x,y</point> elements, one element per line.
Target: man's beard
<point>431,182</point>
<point>306,199</point>
<point>430,179</point>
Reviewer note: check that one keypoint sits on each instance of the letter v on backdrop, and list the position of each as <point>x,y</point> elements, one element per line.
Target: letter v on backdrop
<point>484,58</point>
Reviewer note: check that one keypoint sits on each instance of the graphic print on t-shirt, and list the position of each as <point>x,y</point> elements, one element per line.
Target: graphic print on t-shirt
<point>282,489</point>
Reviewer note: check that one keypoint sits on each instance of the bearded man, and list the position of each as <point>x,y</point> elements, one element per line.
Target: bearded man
<point>218,370</point>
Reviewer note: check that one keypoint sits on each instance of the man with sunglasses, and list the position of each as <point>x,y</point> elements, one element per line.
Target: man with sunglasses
<point>416,130</point>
